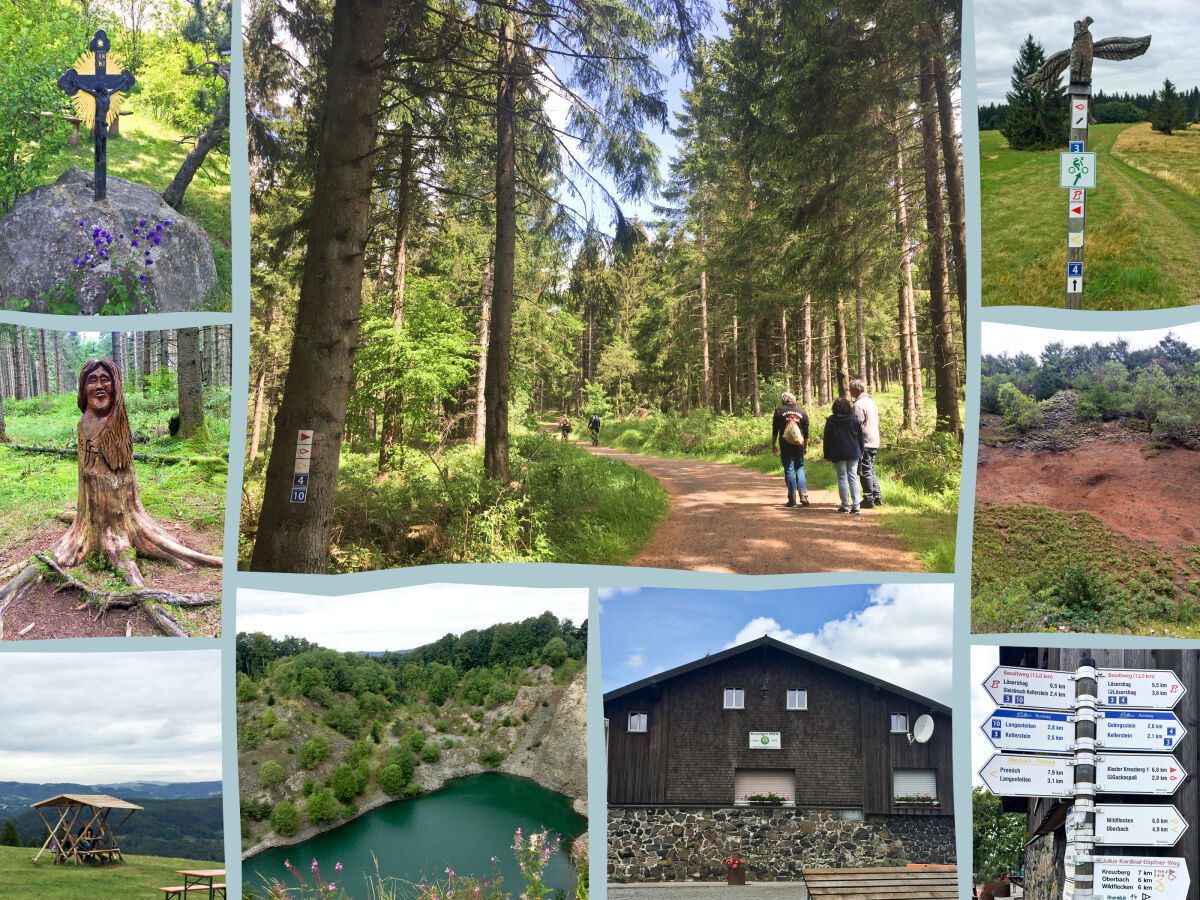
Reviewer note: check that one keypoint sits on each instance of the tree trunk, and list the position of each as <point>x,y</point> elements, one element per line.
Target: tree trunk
<point>295,537</point>
<point>485,322</point>
<point>909,370</point>
<point>144,344</point>
<point>783,346</point>
<point>808,348</point>
<point>952,166</point>
<point>864,367</point>
<point>191,393</point>
<point>164,349</point>
<point>944,355</point>
<point>755,402</point>
<point>403,225</point>
<point>843,369</point>
<point>60,383</point>
<point>495,450</point>
<point>825,386</point>
<point>708,393</point>
<point>260,389</point>
<point>43,366</point>
<point>22,354</point>
<point>209,138</point>
<point>118,350</point>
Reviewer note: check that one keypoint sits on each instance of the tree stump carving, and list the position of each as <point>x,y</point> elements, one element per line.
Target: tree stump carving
<point>109,517</point>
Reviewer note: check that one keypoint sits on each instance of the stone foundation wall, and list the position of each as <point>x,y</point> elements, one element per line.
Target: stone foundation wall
<point>664,844</point>
<point>1044,859</point>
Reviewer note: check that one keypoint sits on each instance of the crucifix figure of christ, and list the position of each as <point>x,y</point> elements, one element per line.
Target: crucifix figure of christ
<point>1079,58</point>
<point>97,96</point>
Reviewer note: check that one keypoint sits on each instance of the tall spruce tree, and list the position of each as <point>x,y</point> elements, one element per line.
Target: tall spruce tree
<point>1037,119</point>
<point>1170,111</point>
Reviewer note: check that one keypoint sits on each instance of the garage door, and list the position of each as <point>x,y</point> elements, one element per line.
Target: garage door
<point>781,782</point>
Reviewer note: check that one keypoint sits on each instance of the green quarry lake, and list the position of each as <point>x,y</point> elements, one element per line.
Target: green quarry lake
<point>461,826</point>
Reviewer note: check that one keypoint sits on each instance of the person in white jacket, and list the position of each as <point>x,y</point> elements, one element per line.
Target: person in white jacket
<point>867,414</point>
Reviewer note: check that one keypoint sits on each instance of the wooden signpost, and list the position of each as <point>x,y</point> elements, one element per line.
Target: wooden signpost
<point>1077,171</point>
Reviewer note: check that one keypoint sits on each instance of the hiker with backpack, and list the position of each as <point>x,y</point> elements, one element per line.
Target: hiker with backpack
<point>564,426</point>
<point>594,428</point>
<point>843,446</point>
<point>789,441</point>
<point>867,414</point>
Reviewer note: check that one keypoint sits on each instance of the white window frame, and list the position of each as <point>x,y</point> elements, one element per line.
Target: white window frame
<point>636,719</point>
<point>738,697</point>
<point>903,717</point>
<point>909,776</point>
<point>801,695</point>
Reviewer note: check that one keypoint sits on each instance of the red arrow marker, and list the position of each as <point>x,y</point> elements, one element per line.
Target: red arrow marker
<point>1077,210</point>
<point>304,437</point>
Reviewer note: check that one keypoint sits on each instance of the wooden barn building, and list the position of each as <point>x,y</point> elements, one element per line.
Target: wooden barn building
<point>1045,852</point>
<point>690,749</point>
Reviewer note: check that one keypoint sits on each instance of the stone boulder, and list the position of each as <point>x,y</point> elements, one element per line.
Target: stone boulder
<point>41,238</point>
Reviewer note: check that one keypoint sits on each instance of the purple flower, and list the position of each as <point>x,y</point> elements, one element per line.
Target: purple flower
<point>142,279</point>
<point>78,261</point>
<point>338,867</point>
<point>133,243</point>
<point>82,224</point>
<point>157,239</point>
<point>149,262</point>
<point>143,224</point>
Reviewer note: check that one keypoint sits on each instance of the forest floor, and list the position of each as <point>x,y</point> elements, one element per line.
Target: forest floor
<point>1083,527</point>
<point>724,518</point>
<point>1142,246</point>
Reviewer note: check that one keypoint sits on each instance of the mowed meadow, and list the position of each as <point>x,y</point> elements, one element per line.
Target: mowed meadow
<point>1142,240</point>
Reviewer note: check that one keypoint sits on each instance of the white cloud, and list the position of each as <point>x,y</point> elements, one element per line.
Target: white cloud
<point>903,636</point>
<point>107,717</point>
<point>401,618</point>
<point>636,660</point>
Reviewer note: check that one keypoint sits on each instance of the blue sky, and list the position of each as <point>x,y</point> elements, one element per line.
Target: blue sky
<point>901,633</point>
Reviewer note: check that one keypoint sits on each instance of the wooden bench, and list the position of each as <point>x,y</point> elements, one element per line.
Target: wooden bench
<point>179,891</point>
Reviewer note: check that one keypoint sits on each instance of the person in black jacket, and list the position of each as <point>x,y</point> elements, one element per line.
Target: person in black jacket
<point>789,441</point>
<point>843,445</point>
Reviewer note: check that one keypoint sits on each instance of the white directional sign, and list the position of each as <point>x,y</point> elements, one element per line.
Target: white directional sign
<point>1077,203</point>
<point>1140,878</point>
<point>306,436</point>
<point>1074,238</point>
<point>1029,730</point>
<point>1142,825</point>
<point>1047,689</point>
<point>1009,775</point>
<point>1137,773</point>
<point>1079,118</point>
<point>1077,170</point>
<point>1139,688</point>
<point>1011,686</point>
<point>1137,729</point>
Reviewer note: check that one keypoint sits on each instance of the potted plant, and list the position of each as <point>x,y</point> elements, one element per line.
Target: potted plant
<point>735,870</point>
<point>916,800</point>
<point>1002,887</point>
<point>985,892</point>
<point>770,798</point>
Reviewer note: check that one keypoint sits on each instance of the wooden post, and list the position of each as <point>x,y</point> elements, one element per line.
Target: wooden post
<point>1079,94</point>
<point>1080,848</point>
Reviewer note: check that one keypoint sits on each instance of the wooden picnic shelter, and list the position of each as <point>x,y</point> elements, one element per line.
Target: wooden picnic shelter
<point>82,832</point>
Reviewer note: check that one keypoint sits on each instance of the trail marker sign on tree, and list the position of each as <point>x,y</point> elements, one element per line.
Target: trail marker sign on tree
<point>97,96</point>
<point>304,442</point>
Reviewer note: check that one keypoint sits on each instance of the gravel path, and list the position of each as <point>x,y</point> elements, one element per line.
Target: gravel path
<point>727,519</point>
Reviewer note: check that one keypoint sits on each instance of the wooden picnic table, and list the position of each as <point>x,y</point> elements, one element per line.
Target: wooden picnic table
<point>198,879</point>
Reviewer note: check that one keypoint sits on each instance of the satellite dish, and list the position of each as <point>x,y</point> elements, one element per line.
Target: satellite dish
<point>922,730</point>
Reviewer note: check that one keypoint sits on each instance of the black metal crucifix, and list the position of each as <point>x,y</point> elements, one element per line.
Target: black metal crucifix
<point>101,86</point>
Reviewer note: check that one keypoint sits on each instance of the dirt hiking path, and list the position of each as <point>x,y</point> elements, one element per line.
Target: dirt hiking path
<point>732,520</point>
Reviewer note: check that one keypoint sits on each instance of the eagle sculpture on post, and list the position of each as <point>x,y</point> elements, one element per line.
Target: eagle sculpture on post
<point>1083,50</point>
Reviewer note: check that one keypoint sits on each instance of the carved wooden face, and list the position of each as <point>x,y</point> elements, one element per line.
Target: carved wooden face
<point>100,391</point>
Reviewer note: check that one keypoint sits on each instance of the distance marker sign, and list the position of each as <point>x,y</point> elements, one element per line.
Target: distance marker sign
<point>304,441</point>
<point>1140,878</point>
<point>1009,775</point>
<point>1047,689</point>
<point>1141,825</point>
<point>1138,729</point>
<point>1138,773</point>
<point>1029,730</point>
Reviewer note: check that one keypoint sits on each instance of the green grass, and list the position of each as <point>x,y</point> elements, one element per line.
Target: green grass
<point>1087,576</point>
<point>1142,246</point>
<point>919,474</point>
<point>567,506</point>
<point>139,876</point>
<point>149,153</point>
<point>36,487</point>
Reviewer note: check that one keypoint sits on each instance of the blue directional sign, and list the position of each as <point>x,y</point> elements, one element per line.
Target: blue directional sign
<point>1074,269</point>
<point>302,481</point>
<point>1138,729</point>
<point>1029,730</point>
<point>1076,146</point>
<point>299,495</point>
